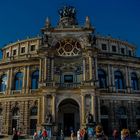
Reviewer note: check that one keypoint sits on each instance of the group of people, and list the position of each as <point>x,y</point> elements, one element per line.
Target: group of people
<point>88,133</point>
<point>40,135</point>
<point>98,134</point>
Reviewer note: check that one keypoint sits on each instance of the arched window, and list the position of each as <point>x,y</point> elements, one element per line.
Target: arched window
<point>0,112</point>
<point>18,81</point>
<point>33,111</point>
<point>33,119</point>
<point>15,112</point>
<point>102,78</point>
<point>122,110</point>
<point>104,110</point>
<point>138,111</point>
<point>15,118</point>
<point>3,83</point>
<point>119,81</point>
<point>35,79</point>
<point>134,81</point>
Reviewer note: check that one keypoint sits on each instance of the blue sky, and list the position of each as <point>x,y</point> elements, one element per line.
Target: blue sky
<point>20,19</point>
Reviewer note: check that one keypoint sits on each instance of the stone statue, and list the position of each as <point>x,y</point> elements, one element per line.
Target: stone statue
<point>49,118</point>
<point>89,118</point>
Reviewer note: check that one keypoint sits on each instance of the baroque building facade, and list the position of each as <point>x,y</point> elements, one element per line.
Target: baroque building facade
<point>67,72</point>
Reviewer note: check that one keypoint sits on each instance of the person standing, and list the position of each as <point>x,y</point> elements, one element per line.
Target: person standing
<point>15,135</point>
<point>35,136</point>
<point>78,135</point>
<point>72,135</point>
<point>116,134</point>
<point>44,134</point>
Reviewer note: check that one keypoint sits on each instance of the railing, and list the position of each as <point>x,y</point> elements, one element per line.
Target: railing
<point>63,85</point>
<point>68,85</point>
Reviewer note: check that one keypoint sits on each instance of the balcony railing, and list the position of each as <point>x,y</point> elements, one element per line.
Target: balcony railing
<point>68,85</point>
<point>63,85</point>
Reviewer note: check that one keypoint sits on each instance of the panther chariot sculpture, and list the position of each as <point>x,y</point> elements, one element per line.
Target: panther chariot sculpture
<point>67,16</point>
<point>67,11</point>
<point>89,118</point>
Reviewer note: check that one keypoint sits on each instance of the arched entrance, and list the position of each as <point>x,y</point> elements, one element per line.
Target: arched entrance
<point>68,116</point>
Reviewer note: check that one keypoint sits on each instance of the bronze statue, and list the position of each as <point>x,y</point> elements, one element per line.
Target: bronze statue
<point>89,118</point>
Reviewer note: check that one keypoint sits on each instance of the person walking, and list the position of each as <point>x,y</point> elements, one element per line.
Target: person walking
<point>116,134</point>
<point>125,134</point>
<point>99,133</point>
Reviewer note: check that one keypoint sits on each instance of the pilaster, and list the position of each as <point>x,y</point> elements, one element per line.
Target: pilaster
<point>84,69</point>
<point>24,81</point>
<point>53,107</point>
<point>52,68</point>
<point>90,68</point>
<point>99,112</point>
<point>10,81</point>
<point>93,107</point>
<point>83,108</point>
<point>28,80</point>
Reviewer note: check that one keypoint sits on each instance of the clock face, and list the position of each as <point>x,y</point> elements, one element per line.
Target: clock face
<point>68,47</point>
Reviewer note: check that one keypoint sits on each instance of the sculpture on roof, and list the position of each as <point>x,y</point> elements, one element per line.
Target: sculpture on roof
<point>67,11</point>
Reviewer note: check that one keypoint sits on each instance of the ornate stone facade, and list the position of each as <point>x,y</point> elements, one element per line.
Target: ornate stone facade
<point>68,72</point>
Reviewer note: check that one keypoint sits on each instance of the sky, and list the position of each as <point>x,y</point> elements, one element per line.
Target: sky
<point>20,19</point>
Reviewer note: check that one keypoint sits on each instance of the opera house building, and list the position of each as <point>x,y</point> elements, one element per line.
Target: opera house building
<point>64,74</point>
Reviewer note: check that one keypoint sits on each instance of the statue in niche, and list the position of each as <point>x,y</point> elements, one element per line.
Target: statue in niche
<point>49,118</point>
<point>89,118</point>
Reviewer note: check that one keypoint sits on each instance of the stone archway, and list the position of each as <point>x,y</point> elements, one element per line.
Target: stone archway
<point>68,116</point>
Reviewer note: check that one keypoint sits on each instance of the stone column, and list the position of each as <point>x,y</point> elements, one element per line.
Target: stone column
<point>10,81</point>
<point>126,75</point>
<point>21,119</point>
<point>109,77</point>
<point>52,68</point>
<point>39,112</point>
<point>129,80</point>
<point>126,79</point>
<point>93,108</point>
<point>28,80</point>
<point>96,68</point>
<point>8,117</point>
<point>99,112</point>
<point>24,81</point>
<point>40,70</point>
<point>130,115</point>
<point>84,69</point>
<point>90,68</point>
<point>113,79</point>
<point>26,117</point>
<point>53,106</point>
<point>83,108</point>
<point>43,109</point>
<point>45,69</point>
<point>96,71</point>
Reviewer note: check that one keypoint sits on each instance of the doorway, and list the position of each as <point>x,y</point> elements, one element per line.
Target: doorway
<point>68,123</point>
<point>68,116</point>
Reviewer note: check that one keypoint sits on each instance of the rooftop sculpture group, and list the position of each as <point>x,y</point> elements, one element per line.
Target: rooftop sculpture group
<point>67,11</point>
